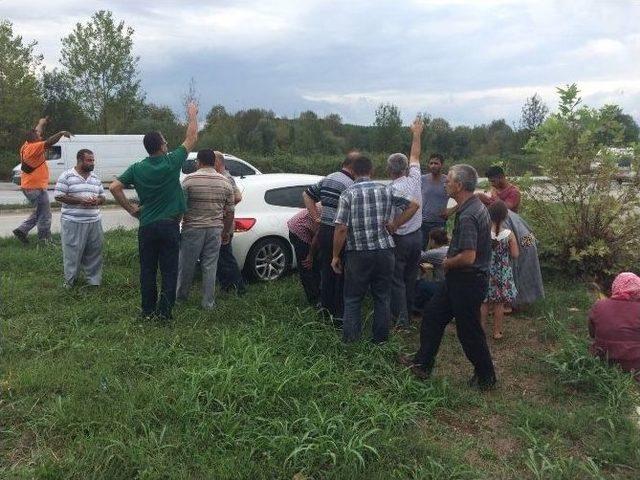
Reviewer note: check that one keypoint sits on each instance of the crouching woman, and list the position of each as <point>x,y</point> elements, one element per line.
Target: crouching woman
<point>614,324</point>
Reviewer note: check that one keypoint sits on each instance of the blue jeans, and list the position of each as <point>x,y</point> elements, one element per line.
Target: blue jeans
<point>407,255</point>
<point>41,216</point>
<point>366,270</point>
<point>159,245</point>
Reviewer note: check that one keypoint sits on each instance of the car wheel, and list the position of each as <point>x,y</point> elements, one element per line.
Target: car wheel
<point>269,259</point>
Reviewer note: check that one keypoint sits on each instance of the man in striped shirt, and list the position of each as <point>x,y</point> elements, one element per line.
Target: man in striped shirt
<point>81,194</point>
<point>207,221</point>
<point>365,220</point>
<point>327,191</point>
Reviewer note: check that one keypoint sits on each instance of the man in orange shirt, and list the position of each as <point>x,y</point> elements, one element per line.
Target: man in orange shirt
<point>34,181</point>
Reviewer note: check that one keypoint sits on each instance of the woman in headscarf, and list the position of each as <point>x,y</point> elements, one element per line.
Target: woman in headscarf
<point>526,268</point>
<point>614,324</point>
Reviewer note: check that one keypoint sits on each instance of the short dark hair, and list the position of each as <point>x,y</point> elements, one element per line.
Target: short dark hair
<point>361,165</point>
<point>436,156</point>
<point>153,142</point>
<point>206,157</point>
<point>82,152</point>
<point>439,236</point>
<point>31,135</point>
<point>350,157</point>
<point>494,172</point>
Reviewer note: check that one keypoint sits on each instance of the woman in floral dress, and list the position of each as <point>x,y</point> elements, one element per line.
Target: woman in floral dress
<point>502,288</point>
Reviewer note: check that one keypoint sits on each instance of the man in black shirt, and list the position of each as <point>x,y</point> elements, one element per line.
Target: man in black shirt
<point>465,286</point>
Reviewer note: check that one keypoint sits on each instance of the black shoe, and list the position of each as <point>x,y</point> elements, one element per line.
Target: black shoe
<point>20,235</point>
<point>482,385</point>
<point>417,370</point>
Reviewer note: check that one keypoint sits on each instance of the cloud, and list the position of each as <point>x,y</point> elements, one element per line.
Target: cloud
<point>466,60</point>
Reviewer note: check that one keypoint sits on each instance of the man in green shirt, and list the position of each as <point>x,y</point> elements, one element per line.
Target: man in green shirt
<point>162,203</point>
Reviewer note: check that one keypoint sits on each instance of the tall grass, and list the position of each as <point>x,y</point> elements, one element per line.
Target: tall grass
<point>263,388</point>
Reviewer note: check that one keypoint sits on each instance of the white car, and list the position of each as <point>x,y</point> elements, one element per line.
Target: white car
<point>261,240</point>
<point>236,166</point>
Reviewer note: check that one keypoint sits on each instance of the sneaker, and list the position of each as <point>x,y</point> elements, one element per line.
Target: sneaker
<point>20,235</point>
<point>481,385</point>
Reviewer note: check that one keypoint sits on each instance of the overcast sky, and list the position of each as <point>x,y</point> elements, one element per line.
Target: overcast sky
<point>465,60</point>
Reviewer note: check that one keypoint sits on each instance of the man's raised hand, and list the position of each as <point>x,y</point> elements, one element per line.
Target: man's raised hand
<point>417,126</point>
<point>192,110</point>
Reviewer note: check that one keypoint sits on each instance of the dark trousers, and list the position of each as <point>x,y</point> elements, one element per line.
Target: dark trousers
<point>425,289</point>
<point>405,274</point>
<point>427,227</point>
<point>366,270</point>
<point>159,244</point>
<point>331,284</point>
<point>309,277</point>
<point>460,297</point>
<point>228,273</point>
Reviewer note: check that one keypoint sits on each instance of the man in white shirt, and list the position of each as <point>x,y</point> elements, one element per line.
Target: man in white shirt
<point>81,194</point>
<point>408,238</point>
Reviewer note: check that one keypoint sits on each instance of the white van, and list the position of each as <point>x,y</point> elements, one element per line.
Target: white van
<point>114,153</point>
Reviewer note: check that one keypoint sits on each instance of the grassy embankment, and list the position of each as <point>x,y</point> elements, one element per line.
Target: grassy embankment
<point>262,388</point>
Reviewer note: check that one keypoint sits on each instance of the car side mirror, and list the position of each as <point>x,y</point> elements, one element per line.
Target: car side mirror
<point>189,166</point>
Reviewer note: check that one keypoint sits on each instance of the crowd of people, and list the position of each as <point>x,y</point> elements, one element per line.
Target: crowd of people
<point>355,236</point>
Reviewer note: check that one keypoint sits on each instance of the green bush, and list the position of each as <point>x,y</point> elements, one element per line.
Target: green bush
<point>586,223</point>
<point>8,160</point>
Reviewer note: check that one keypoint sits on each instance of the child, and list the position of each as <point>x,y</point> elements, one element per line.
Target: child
<point>502,289</point>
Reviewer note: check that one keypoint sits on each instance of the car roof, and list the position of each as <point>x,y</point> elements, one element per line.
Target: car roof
<point>270,180</point>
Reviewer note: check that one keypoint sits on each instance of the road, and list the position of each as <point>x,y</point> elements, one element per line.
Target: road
<point>111,218</point>
<point>10,194</point>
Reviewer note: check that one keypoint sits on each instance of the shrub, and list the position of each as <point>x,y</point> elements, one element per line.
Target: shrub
<point>587,223</point>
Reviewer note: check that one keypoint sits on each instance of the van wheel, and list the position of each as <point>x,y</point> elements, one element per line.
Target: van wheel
<point>268,259</point>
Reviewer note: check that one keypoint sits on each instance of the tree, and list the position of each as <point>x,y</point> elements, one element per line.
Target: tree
<point>388,128</point>
<point>20,100</point>
<point>534,111</point>
<point>158,118</point>
<point>583,221</point>
<point>59,105</point>
<point>102,70</point>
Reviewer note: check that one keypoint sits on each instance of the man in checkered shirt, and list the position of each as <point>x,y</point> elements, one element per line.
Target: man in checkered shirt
<point>364,221</point>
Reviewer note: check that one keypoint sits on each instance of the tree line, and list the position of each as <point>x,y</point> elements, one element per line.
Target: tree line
<point>97,89</point>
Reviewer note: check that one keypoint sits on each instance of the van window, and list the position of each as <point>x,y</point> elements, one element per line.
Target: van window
<point>286,196</point>
<point>238,169</point>
<point>53,153</point>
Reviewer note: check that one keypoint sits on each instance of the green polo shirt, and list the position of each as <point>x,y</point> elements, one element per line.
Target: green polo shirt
<point>157,183</point>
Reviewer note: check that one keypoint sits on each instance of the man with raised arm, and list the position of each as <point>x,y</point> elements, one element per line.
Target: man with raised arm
<point>34,180</point>
<point>162,203</point>
<point>408,238</point>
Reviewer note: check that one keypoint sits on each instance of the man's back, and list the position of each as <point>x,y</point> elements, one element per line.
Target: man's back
<point>366,207</point>
<point>327,191</point>
<point>157,183</point>
<point>208,194</point>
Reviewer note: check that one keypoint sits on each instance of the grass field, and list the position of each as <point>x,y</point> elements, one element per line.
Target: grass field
<point>264,389</point>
